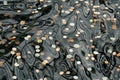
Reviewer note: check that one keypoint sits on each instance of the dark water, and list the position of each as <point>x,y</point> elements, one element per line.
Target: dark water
<point>59,40</point>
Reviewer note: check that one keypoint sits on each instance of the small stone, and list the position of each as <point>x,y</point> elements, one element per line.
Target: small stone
<point>63,0</point>
<point>89,69</point>
<point>58,49</point>
<point>114,53</point>
<point>50,37</point>
<point>50,33</point>
<point>92,58</point>
<point>41,79</point>
<point>86,58</point>
<point>104,78</point>
<point>44,62</point>
<point>72,24</point>
<point>48,58</point>
<point>61,72</point>
<point>37,46</point>
<point>64,37</point>
<point>14,77</point>
<point>91,20</point>
<point>16,64</point>
<point>68,72</point>
<point>70,50</point>
<point>37,50</point>
<point>12,52</point>
<point>37,70</point>
<point>37,55</point>
<point>95,52</point>
<point>76,2</point>
<point>5,2</point>
<point>109,50</point>
<point>45,5</point>
<point>28,36</point>
<point>104,15</point>
<point>45,79</point>
<point>53,46</point>
<point>75,77</point>
<point>89,55</point>
<point>14,49</point>
<point>69,56</point>
<point>39,40</point>
<point>78,62</point>
<point>78,32</point>
<point>112,38</point>
<point>92,26</point>
<point>67,12</point>
<point>76,45</point>
<point>76,35</point>
<point>18,57</point>
<point>43,38</point>
<point>63,11</point>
